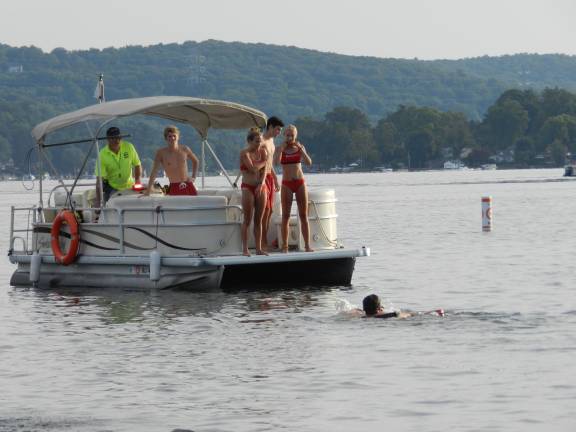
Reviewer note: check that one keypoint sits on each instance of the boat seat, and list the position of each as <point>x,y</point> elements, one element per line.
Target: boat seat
<point>233,198</point>
<point>141,209</point>
<point>83,199</point>
<point>60,198</point>
<point>230,194</point>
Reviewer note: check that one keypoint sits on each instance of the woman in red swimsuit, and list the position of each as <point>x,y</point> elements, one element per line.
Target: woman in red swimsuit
<point>290,155</point>
<point>252,162</point>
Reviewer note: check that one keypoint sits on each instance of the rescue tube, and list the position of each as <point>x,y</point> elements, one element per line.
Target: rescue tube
<point>65,216</point>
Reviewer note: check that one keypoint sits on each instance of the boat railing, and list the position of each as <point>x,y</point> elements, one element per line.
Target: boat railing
<point>161,218</point>
<point>226,215</point>
<point>17,231</point>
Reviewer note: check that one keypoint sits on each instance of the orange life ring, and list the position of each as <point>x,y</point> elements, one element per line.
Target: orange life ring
<point>68,217</point>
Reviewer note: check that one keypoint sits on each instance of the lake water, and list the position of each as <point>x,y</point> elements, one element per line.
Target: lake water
<point>502,359</point>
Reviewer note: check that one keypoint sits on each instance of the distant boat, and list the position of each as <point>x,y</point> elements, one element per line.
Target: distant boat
<point>383,169</point>
<point>570,168</point>
<point>489,166</point>
<point>454,165</point>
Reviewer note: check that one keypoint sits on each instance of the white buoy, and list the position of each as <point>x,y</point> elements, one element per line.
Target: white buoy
<point>487,213</point>
<point>35,262</point>
<point>155,262</point>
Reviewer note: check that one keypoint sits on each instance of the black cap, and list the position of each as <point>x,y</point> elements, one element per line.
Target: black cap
<point>113,132</point>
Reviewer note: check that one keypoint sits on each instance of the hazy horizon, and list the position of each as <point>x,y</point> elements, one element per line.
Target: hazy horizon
<point>286,46</point>
<point>444,29</point>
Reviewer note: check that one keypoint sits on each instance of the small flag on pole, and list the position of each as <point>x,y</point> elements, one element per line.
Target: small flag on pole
<point>99,91</point>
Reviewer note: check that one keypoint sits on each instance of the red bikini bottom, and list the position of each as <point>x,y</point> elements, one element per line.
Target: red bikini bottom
<point>294,184</point>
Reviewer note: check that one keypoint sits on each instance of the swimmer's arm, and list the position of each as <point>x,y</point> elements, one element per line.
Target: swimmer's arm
<point>387,315</point>
<point>402,315</point>
<point>395,314</point>
<point>354,313</point>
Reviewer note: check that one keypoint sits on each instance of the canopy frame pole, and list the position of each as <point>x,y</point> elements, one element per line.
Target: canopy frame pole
<point>99,174</point>
<point>203,161</point>
<point>80,172</point>
<point>41,174</point>
<point>54,171</point>
<point>99,181</point>
<point>219,162</point>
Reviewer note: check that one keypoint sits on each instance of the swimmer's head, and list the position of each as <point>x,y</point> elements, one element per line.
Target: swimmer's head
<point>371,304</point>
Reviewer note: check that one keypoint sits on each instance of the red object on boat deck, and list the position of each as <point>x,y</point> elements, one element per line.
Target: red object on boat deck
<point>138,187</point>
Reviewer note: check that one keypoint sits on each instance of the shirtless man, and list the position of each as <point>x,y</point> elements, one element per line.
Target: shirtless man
<point>174,160</point>
<point>273,128</point>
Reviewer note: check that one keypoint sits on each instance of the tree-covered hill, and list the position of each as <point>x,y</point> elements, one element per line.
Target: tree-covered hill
<point>286,81</point>
<point>520,71</point>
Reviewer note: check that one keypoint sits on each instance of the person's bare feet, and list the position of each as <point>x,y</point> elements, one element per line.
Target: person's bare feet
<point>246,253</point>
<point>309,249</point>
<point>284,249</point>
<point>261,252</point>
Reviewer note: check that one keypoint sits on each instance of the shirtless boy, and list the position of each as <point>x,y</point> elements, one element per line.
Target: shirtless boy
<point>173,159</point>
<point>273,128</point>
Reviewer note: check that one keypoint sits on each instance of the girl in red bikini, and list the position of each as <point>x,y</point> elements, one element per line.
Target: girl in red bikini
<point>252,162</point>
<point>290,155</point>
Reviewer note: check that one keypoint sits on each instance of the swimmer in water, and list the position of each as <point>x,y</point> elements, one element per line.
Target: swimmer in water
<point>372,308</point>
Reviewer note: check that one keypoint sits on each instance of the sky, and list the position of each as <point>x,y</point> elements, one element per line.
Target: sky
<point>423,29</point>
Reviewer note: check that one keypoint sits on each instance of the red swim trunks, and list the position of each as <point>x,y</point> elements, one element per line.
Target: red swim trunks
<point>271,190</point>
<point>182,188</point>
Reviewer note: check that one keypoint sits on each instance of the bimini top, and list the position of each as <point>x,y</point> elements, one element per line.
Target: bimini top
<point>201,114</point>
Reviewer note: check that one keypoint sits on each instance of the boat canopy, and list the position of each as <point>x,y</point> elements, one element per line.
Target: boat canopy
<point>201,114</point>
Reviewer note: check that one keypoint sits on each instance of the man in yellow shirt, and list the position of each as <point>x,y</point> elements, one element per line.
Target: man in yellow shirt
<point>117,161</point>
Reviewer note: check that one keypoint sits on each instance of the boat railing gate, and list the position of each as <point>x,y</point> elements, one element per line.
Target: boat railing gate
<point>32,213</point>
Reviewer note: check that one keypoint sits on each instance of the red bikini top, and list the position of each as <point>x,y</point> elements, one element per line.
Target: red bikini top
<point>291,158</point>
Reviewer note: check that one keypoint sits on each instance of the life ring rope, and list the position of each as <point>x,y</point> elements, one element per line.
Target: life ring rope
<point>68,217</point>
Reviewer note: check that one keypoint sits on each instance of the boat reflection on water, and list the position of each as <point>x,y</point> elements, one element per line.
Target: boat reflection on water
<point>111,307</point>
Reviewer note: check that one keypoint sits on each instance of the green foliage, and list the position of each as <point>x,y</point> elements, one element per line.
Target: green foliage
<point>522,124</point>
<point>348,109</point>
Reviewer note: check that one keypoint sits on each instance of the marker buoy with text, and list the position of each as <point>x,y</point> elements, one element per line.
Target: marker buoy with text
<point>487,213</point>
